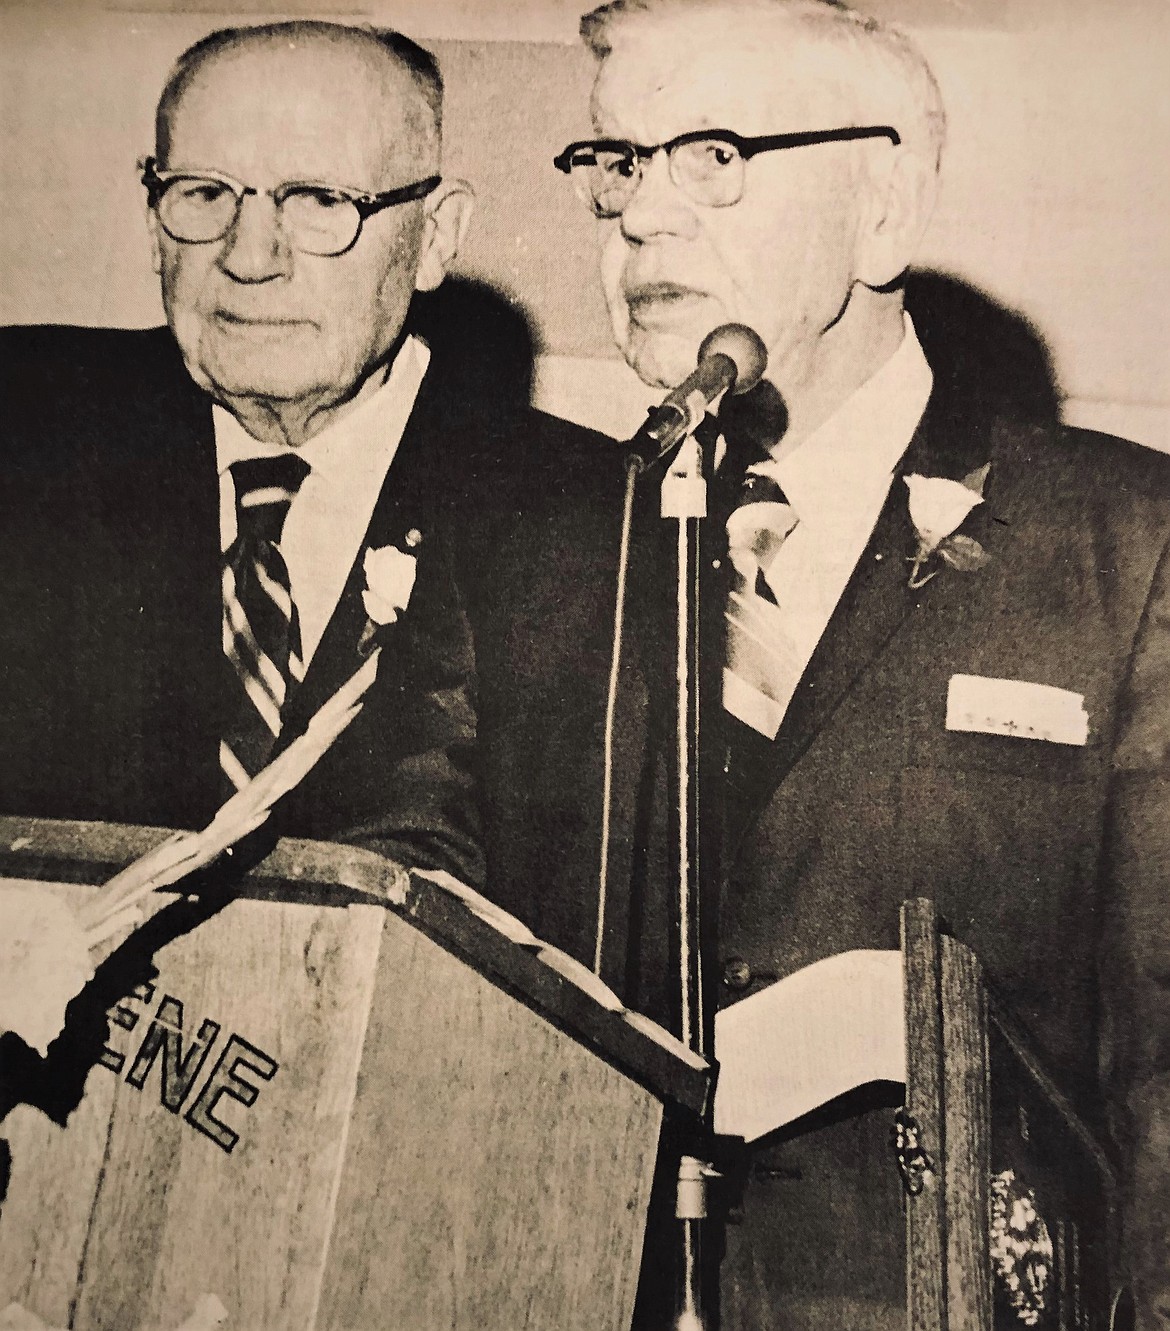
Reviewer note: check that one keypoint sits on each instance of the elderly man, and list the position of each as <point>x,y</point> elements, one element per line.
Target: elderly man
<point>206,527</point>
<point>945,660</point>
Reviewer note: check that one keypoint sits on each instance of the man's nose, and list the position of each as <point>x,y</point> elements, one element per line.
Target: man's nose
<point>256,248</point>
<point>658,206</point>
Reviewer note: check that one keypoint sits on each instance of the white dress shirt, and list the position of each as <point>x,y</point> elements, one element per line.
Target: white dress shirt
<point>331,513</point>
<point>837,481</point>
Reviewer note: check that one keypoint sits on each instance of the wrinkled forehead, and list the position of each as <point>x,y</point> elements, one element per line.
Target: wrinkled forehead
<point>670,73</point>
<point>313,109</point>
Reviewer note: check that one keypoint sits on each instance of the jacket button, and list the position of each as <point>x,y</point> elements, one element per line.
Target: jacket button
<point>737,974</point>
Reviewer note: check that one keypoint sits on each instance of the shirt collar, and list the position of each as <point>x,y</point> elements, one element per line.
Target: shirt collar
<point>836,474</point>
<point>353,444</point>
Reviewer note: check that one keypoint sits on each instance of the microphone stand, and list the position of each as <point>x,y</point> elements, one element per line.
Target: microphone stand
<point>731,358</point>
<point>684,500</point>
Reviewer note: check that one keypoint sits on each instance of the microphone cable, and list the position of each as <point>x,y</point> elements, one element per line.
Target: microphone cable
<point>634,467</point>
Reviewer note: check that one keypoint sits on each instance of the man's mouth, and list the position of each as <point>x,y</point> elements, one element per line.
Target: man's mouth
<point>655,302</point>
<point>259,322</point>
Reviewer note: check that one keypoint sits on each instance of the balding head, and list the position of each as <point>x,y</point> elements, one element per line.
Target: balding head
<point>874,73</point>
<point>403,63</point>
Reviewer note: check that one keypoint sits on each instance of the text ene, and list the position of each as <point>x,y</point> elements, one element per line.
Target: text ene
<point>181,1067</point>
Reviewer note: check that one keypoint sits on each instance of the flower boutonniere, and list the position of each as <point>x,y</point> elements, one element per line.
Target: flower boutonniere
<point>938,507</point>
<point>390,574</point>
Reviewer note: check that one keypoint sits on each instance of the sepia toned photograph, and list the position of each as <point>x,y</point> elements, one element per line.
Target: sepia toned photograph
<point>584,665</point>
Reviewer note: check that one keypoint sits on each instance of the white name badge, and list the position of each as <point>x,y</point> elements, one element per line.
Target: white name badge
<point>1018,708</point>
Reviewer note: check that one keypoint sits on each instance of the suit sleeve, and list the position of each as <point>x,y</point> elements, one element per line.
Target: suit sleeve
<point>428,817</point>
<point>1136,962</point>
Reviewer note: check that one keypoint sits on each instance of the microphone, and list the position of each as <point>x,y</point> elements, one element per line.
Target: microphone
<point>732,357</point>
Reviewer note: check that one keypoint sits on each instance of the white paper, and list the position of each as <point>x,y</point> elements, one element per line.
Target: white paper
<point>44,961</point>
<point>581,976</point>
<point>516,931</point>
<point>808,1038</point>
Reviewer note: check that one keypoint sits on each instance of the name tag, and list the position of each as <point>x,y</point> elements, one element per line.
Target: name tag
<point>1018,708</point>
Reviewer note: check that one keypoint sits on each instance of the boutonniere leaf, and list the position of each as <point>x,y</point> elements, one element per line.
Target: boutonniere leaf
<point>938,507</point>
<point>963,553</point>
<point>390,574</point>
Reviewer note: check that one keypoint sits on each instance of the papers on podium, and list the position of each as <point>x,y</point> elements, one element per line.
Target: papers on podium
<point>808,1038</point>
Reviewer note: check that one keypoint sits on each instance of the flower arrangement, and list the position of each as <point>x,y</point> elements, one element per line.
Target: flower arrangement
<point>1022,1252</point>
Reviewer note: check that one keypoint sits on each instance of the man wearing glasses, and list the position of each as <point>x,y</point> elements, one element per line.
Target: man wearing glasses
<point>207,528</point>
<point>941,646</point>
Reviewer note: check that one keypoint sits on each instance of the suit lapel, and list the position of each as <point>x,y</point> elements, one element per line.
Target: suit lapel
<point>868,617</point>
<point>406,500</point>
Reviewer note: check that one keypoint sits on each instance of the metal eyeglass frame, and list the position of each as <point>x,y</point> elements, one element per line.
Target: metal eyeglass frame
<point>365,204</point>
<point>745,145</point>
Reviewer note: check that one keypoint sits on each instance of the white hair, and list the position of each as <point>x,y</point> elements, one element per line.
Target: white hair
<point>880,72</point>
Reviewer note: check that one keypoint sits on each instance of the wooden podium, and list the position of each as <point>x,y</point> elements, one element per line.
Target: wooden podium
<point>1010,1200</point>
<point>995,1198</point>
<point>350,1098</point>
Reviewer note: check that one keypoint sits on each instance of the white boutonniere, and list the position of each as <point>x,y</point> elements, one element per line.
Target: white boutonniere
<point>938,507</point>
<point>390,575</point>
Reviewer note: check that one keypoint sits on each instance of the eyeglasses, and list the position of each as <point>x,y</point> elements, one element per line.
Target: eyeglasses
<point>706,164</point>
<point>197,207</point>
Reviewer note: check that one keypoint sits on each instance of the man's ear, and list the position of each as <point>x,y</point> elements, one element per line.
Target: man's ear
<point>902,195</point>
<point>448,213</point>
<point>152,228</point>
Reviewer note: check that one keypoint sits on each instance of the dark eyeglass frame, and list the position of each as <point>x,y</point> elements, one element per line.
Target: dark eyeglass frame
<point>747,146</point>
<point>364,203</point>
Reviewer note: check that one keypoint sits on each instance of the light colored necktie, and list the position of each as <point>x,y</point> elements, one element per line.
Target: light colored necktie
<point>261,635</point>
<point>761,669</point>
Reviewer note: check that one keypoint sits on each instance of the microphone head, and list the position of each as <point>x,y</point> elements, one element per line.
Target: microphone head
<point>744,348</point>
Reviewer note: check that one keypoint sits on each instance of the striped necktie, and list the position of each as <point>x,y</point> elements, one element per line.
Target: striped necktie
<point>760,670</point>
<point>261,636</point>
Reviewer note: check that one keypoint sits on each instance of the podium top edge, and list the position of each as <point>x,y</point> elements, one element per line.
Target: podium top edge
<point>461,920</point>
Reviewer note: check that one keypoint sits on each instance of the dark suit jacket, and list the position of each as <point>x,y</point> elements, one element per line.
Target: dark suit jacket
<point>112,676</point>
<point>1051,861</point>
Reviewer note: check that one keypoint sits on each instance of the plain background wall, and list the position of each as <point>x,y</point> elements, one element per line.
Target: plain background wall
<point>1054,204</point>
